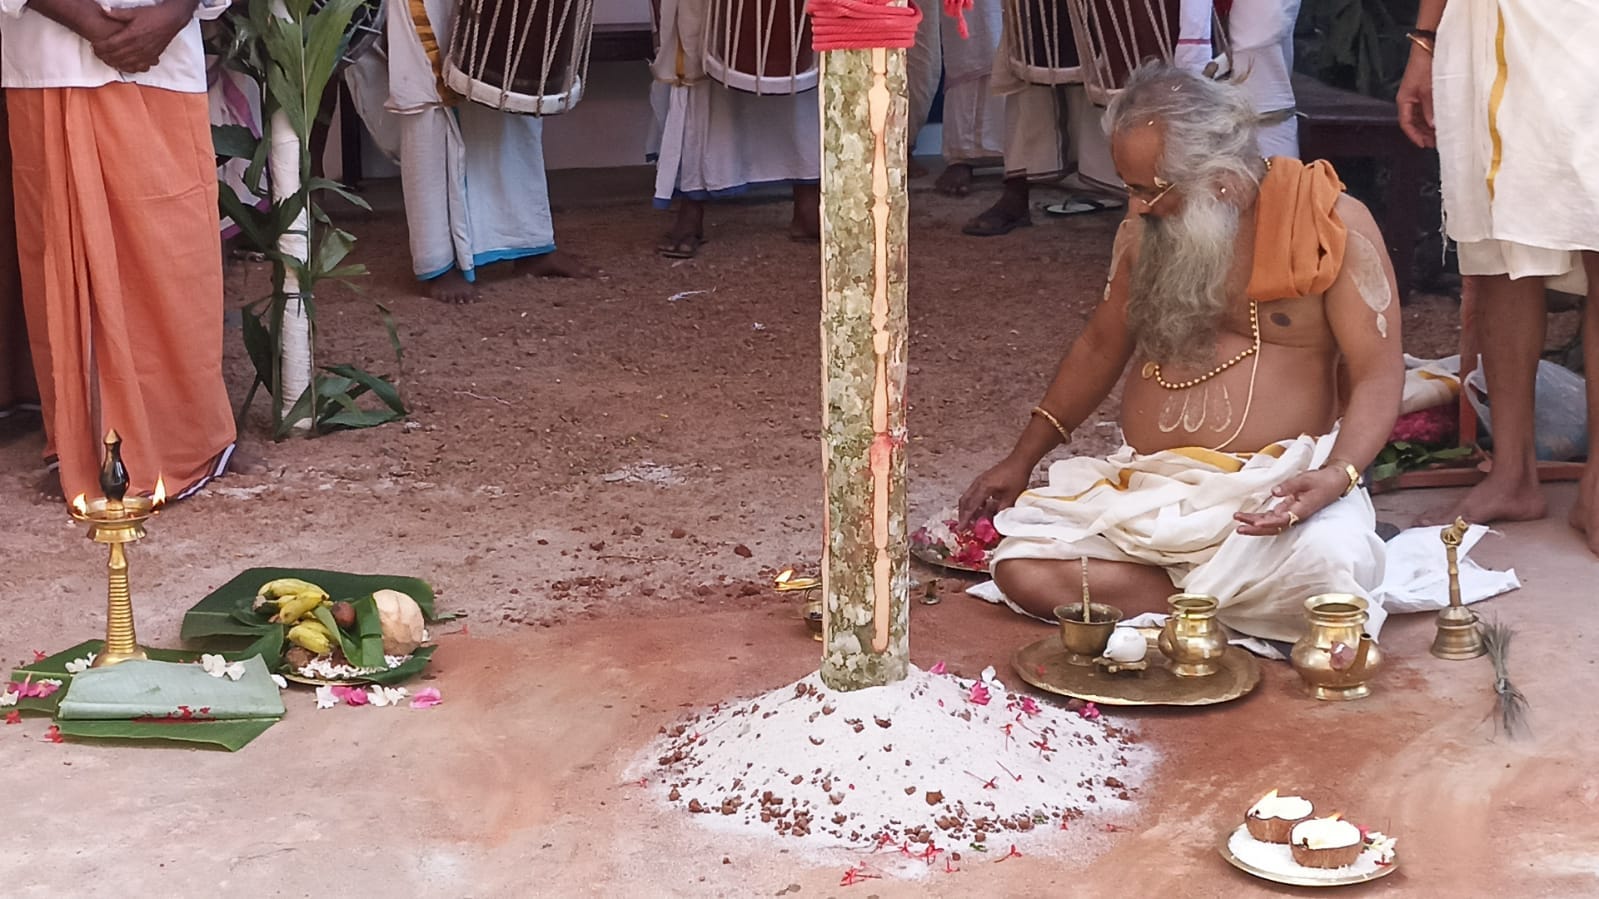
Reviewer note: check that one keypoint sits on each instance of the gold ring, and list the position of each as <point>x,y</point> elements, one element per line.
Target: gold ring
<point>1293,519</point>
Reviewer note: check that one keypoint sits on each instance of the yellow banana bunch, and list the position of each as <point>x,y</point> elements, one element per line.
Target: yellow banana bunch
<point>288,586</point>
<point>298,606</point>
<point>312,637</point>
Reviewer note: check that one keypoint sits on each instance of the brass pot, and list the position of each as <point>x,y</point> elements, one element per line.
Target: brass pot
<point>1336,658</point>
<point>1086,642</point>
<point>1192,638</point>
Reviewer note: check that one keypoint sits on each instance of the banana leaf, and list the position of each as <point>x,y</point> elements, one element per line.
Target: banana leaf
<point>229,735</point>
<point>213,615</point>
<point>406,670</point>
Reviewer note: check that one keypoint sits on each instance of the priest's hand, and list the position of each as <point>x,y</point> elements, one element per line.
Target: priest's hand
<point>1299,498</point>
<point>1415,100</point>
<point>994,489</point>
<point>145,33</point>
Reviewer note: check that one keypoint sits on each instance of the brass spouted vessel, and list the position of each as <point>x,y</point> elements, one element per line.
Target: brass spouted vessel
<point>1336,658</point>
<point>1192,637</point>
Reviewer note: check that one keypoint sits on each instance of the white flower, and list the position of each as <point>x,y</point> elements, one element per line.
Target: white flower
<point>325,698</point>
<point>78,666</point>
<point>280,681</point>
<point>991,680</point>
<point>1382,845</point>
<point>9,697</point>
<point>217,666</point>
<point>381,696</point>
<point>394,661</point>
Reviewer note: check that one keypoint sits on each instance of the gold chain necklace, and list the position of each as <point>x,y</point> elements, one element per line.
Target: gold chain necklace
<point>1152,369</point>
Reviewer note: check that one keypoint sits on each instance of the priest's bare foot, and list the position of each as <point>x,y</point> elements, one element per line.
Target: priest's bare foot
<point>1502,496</point>
<point>1585,514</point>
<point>1009,212</point>
<point>245,461</point>
<point>554,264</point>
<point>955,180</point>
<point>453,288</point>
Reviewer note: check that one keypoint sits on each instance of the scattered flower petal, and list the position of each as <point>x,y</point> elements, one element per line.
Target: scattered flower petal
<point>281,681</point>
<point>979,695</point>
<point>325,698</point>
<point>938,668</point>
<point>426,698</point>
<point>9,697</point>
<point>350,695</point>
<point>214,665</point>
<point>381,696</point>
<point>53,734</point>
<point>13,717</point>
<point>1089,711</point>
<point>78,666</point>
<point>39,656</point>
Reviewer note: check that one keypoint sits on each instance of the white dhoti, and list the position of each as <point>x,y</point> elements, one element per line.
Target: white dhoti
<point>1517,115</point>
<point>473,177</point>
<point>974,116</point>
<point>1049,129</point>
<point>714,141</point>
<point>1174,509</point>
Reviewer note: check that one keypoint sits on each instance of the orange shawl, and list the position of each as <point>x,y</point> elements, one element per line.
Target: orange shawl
<point>1299,239</point>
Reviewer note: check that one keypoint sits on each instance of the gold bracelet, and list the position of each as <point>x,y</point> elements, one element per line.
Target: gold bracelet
<point>1065,435</point>
<point>1349,469</point>
<point>1420,41</point>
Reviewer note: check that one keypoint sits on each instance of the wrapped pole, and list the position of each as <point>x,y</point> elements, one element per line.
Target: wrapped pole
<point>865,561</point>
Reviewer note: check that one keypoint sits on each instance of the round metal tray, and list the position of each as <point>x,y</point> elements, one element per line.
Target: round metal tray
<point>1043,664</point>
<point>1299,876</point>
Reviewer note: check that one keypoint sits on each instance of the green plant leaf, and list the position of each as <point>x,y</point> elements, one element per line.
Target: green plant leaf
<point>233,141</point>
<point>385,391</point>
<point>262,350</point>
<point>394,335</point>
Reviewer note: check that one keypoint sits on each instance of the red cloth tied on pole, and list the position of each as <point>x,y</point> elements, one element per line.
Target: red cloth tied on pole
<point>862,25</point>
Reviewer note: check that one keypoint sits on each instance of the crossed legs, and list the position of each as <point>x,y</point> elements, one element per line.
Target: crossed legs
<point>1039,585</point>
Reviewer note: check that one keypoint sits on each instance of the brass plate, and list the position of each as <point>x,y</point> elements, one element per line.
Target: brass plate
<point>1043,664</point>
<point>1303,877</point>
<point>927,556</point>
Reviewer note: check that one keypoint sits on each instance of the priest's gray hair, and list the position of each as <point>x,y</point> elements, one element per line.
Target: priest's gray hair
<point>1208,127</point>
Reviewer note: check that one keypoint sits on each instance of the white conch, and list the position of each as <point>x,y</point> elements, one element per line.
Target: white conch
<point>1126,645</point>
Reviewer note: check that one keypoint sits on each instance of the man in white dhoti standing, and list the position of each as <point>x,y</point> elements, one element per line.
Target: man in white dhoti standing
<point>1240,289</point>
<point>1512,94</point>
<point>973,129</point>
<point>473,177</point>
<point>718,142</point>
<point>1260,35</point>
<point>1049,130</point>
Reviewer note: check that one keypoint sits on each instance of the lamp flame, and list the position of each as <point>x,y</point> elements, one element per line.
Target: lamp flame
<point>79,505</point>
<point>159,498</point>
<point>1271,795</point>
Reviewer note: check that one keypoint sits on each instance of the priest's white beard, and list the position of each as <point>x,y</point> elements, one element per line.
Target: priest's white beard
<point>1179,286</point>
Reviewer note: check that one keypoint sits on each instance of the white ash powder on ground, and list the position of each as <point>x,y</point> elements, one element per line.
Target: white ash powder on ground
<point>922,762</point>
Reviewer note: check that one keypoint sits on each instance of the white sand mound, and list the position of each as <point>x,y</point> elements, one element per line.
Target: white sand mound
<point>932,758</point>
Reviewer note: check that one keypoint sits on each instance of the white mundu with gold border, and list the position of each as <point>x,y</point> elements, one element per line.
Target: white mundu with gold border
<point>1517,107</point>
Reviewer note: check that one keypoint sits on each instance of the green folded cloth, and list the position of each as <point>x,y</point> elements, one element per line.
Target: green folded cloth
<point>147,689</point>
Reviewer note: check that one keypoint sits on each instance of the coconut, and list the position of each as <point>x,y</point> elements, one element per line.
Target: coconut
<point>404,628</point>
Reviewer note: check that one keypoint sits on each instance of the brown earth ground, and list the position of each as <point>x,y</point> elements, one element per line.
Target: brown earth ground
<point>604,480</point>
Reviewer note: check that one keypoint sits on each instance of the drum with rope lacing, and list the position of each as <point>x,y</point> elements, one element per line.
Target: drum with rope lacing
<point>522,56</point>
<point>760,46</point>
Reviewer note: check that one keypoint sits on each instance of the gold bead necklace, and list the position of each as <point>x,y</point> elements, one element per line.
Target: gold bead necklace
<point>1152,369</point>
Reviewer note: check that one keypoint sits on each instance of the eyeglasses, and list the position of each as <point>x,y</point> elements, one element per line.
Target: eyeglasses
<point>1162,188</point>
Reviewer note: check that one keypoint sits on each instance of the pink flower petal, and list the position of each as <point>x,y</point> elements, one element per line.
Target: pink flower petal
<point>53,734</point>
<point>979,695</point>
<point>938,668</point>
<point>13,717</point>
<point>44,690</point>
<point>39,656</point>
<point>426,698</point>
<point>1089,711</point>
